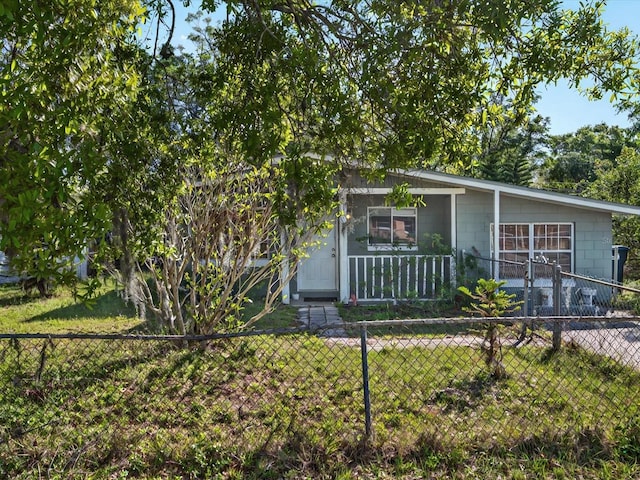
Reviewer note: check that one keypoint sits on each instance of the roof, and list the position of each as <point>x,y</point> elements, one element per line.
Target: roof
<point>522,192</point>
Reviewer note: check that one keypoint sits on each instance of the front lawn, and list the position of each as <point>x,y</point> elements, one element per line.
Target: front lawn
<point>291,406</point>
<point>410,310</point>
<point>400,310</point>
<point>62,313</point>
<point>106,313</point>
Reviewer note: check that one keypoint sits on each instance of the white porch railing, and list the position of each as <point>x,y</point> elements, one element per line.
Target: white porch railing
<point>387,277</point>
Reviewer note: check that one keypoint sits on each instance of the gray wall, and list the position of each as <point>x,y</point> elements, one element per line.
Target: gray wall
<point>592,230</point>
<point>435,217</point>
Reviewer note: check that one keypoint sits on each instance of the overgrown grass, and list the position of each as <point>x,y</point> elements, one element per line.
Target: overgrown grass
<point>291,406</point>
<point>283,316</point>
<point>409,310</point>
<point>629,300</point>
<point>106,313</point>
<point>400,310</point>
<point>26,313</point>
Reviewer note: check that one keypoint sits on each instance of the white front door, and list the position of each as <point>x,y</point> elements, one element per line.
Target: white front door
<point>319,270</point>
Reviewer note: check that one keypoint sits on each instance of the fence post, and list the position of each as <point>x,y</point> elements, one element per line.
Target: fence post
<point>532,275</point>
<point>557,306</point>
<point>525,305</point>
<point>365,381</point>
<point>525,293</point>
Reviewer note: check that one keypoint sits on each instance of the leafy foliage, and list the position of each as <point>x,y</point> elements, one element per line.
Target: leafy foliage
<point>617,181</point>
<point>100,138</point>
<point>512,152</point>
<point>65,69</point>
<point>414,83</point>
<point>575,157</point>
<point>488,300</point>
<point>246,199</point>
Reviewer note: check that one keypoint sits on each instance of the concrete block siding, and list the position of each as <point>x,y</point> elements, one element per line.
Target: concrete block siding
<point>592,229</point>
<point>474,203</point>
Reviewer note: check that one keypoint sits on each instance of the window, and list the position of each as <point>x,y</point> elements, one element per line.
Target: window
<point>390,227</point>
<point>521,241</point>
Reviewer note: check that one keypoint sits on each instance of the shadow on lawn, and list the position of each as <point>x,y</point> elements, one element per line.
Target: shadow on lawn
<point>106,305</point>
<point>466,393</point>
<point>13,296</point>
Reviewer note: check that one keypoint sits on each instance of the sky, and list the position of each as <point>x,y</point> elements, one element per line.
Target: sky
<point>565,107</point>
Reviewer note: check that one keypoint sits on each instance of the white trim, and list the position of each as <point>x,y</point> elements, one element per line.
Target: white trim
<point>454,238</point>
<point>387,277</point>
<point>412,191</point>
<point>284,273</point>
<point>496,234</point>
<point>454,222</point>
<point>343,258</point>
<point>522,192</point>
<point>391,246</point>
<point>495,253</point>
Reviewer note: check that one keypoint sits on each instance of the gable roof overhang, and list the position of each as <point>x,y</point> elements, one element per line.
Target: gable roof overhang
<point>522,192</point>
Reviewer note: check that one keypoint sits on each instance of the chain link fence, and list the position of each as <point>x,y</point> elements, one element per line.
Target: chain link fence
<point>546,290</point>
<point>104,403</point>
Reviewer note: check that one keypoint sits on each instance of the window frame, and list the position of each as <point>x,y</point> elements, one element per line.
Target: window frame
<point>531,246</point>
<point>393,244</point>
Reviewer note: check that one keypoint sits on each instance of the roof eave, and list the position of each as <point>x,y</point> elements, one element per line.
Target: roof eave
<point>524,192</point>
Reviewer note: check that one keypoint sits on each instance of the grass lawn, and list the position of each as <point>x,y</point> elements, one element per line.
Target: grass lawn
<point>283,316</point>
<point>107,313</point>
<point>22,313</point>
<point>400,311</point>
<point>290,406</point>
<point>409,310</point>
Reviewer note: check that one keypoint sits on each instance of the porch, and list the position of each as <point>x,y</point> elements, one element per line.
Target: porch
<point>399,276</point>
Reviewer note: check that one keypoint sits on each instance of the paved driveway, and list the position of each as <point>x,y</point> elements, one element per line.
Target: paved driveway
<point>621,343</point>
<point>618,338</point>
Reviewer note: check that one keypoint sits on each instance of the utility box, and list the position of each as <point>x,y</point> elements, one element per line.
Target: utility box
<point>620,253</point>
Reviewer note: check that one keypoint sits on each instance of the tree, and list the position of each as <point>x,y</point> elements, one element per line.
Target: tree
<point>111,135</point>
<point>512,152</point>
<point>617,181</point>
<point>64,69</point>
<point>414,84</point>
<point>489,301</point>
<point>222,239</point>
<point>574,157</point>
<point>238,206</point>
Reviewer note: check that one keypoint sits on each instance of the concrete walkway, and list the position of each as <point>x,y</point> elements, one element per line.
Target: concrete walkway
<point>324,317</point>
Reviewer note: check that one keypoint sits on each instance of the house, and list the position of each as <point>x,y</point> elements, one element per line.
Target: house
<point>81,266</point>
<point>377,252</point>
